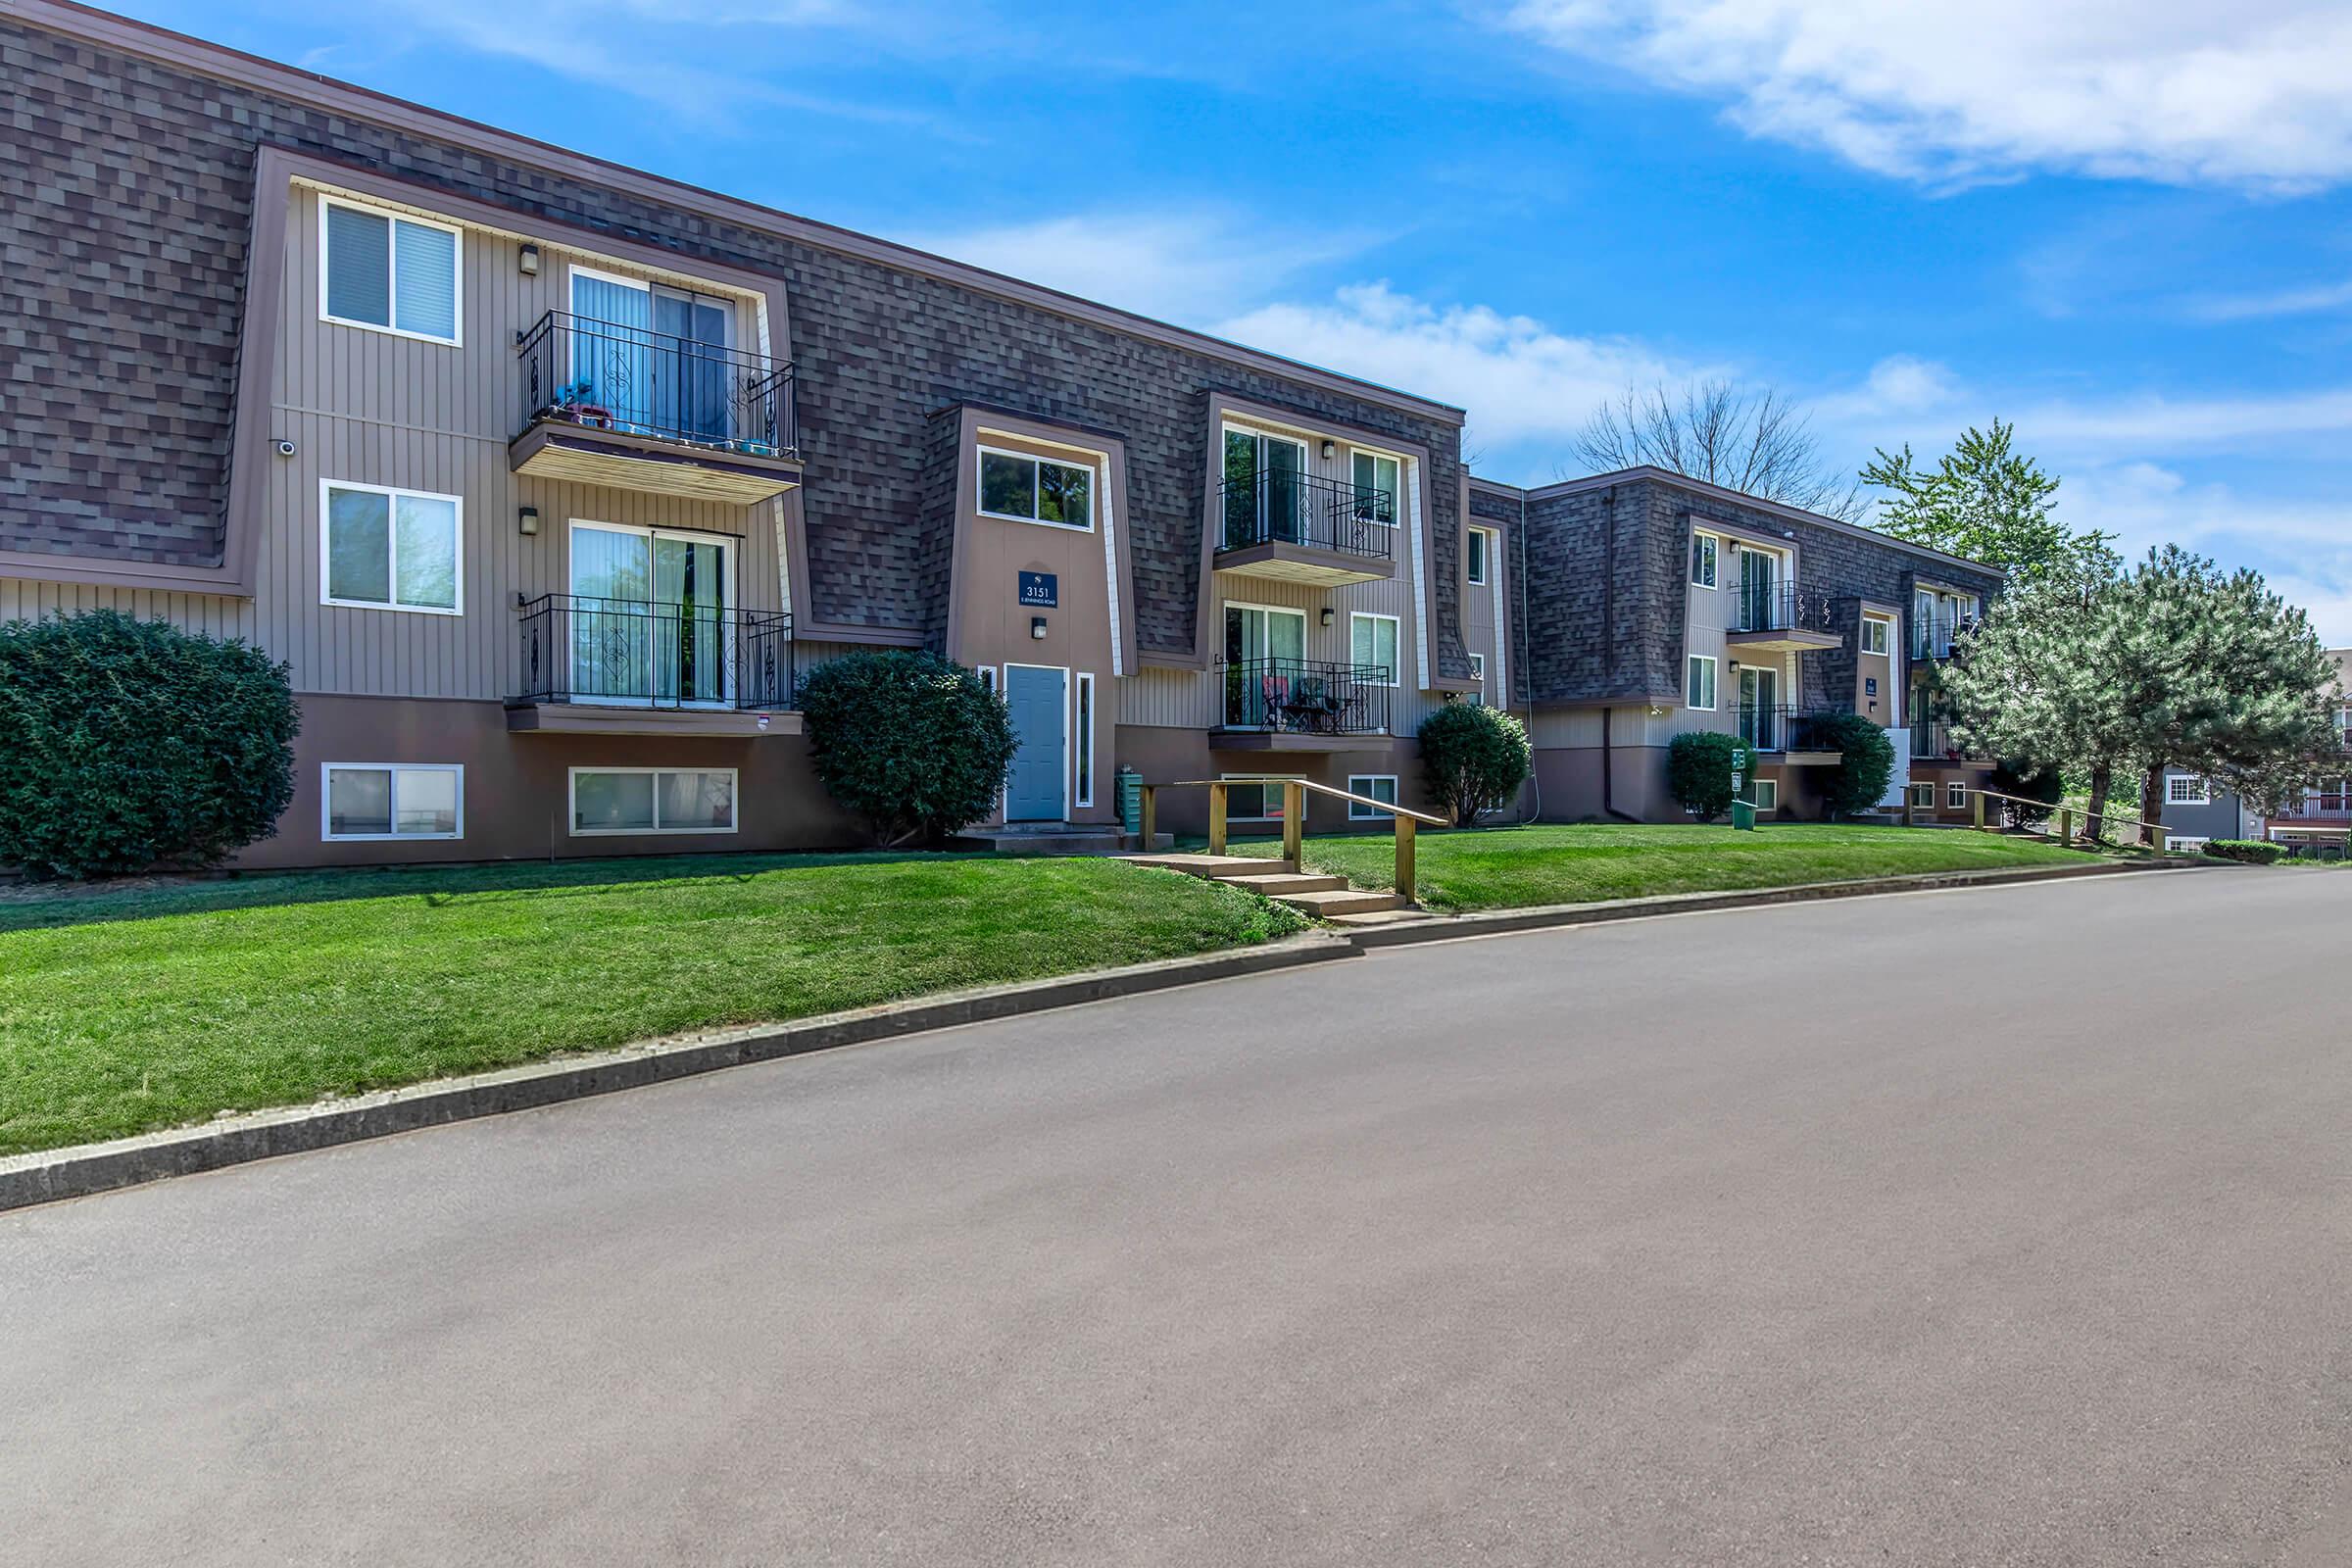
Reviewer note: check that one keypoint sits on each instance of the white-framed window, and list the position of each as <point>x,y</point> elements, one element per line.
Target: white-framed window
<point>391,800</point>
<point>1376,478</point>
<point>1477,667</point>
<point>1482,544</point>
<point>1251,801</point>
<point>1955,796</point>
<point>1703,550</point>
<point>2181,789</point>
<point>1372,642</point>
<point>1923,796</point>
<point>1878,634</point>
<point>390,271</point>
<point>1083,742</point>
<point>1698,683</point>
<point>988,678</point>
<point>610,801</point>
<point>1016,487</point>
<point>386,549</point>
<point>1765,794</point>
<point>1379,786</point>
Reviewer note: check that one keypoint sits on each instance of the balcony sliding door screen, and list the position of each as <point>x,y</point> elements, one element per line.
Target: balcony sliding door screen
<point>1265,650</point>
<point>613,349</point>
<point>1264,497</point>
<point>649,616</point>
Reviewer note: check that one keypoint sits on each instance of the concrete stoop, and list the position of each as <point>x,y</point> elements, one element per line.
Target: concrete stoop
<point>1052,838</point>
<point>1321,898</point>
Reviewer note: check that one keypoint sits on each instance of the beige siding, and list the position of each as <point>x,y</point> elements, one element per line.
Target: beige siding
<point>376,409</point>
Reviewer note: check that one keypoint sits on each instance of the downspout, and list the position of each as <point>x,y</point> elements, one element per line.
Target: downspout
<point>1608,621</point>
<point>1523,641</point>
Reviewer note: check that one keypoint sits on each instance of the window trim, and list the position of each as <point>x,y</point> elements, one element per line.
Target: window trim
<point>1396,497</point>
<point>1252,778</point>
<point>1885,625</point>
<point>326,773</point>
<point>1714,558</point>
<point>1396,678</point>
<point>1082,739</point>
<point>1487,539</point>
<point>1714,684</point>
<point>1955,794</point>
<point>1757,785</point>
<point>457,292</point>
<point>1094,486</point>
<point>392,493</point>
<point>1360,813</point>
<point>1477,667</point>
<point>2202,786</point>
<point>571,807</point>
<point>1918,785</point>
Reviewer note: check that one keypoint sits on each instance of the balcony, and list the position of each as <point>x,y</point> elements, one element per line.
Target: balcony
<point>1294,527</point>
<point>1936,639</point>
<point>627,666</point>
<point>2331,803</point>
<point>621,406</point>
<point>1795,735</point>
<point>1296,705</point>
<point>1781,619</point>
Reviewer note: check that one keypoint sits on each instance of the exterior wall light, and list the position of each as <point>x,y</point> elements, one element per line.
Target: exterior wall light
<point>1330,450</point>
<point>528,258</point>
<point>527,519</point>
<point>1326,617</point>
<point>1037,627</point>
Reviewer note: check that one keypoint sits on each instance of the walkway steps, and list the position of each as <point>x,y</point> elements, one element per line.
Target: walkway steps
<point>1324,898</point>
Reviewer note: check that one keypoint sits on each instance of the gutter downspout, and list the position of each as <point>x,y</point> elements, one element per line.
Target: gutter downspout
<point>1522,642</point>
<point>1608,621</point>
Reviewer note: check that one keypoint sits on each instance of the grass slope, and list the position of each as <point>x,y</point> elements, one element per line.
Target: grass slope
<point>1514,868</point>
<point>123,1012</point>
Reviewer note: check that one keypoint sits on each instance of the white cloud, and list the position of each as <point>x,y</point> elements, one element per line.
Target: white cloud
<point>2250,93</point>
<point>2303,301</point>
<point>1519,378</point>
<point>1195,266</point>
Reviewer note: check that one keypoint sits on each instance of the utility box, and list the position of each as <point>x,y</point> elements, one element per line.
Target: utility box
<point>1131,801</point>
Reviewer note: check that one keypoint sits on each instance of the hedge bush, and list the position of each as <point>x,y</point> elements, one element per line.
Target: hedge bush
<point>2253,852</point>
<point>1472,758</point>
<point>1699,771</point>
<point>1865,766</point>
<point>127,745</point>
<point>910,742</point>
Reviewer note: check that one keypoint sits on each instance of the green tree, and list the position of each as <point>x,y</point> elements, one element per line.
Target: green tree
<point>1865,766</point>
<point>1985,501</point>
<point>1473,757</point>
<point>1698,773</point>
<point>908,741</point>
<point>2176,663</point>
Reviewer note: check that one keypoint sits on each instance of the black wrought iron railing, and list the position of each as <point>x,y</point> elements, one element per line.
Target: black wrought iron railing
<point>1780,606</point>
<point>1306,696</point>
<point>636,652</point>
<point>1936,638</point>
<point>577,370</point>
<point>1272,507</point>
<point>1783,728</point>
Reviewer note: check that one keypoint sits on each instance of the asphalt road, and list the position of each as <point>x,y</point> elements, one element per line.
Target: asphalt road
<point>2007,1226</point>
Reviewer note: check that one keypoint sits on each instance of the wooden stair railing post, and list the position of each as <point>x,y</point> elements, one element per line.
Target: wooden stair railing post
<point>1216,819</point>
<point>1294,825</point>
<point>1978,796</point>
<point>2066,826</point>
<point>1150,796</point>
<point>1405,856</point>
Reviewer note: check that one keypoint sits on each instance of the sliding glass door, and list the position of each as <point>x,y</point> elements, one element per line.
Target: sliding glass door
<point>649,616</point>
<point>1264,499</point>
<point>653,358</point>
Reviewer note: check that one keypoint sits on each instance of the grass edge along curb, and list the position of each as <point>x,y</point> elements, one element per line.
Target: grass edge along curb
<point>79,1171</point>
<point>1537,918</point>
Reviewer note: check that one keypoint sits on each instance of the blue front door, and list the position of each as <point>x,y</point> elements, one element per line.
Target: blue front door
<point>1040,706</point>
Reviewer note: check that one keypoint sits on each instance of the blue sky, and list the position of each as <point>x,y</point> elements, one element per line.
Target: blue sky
<point>2128,228</point>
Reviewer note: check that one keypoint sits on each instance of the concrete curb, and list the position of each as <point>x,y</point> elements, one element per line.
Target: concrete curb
<point>83,1169</point>
<point>1455,928</point>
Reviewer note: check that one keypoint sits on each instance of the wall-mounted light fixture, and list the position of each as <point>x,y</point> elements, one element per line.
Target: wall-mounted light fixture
<point>1330,450</point>
<point>1326,618</point>
<point>528,258</point>
<point>1037,627</point>
<point>1735,663</point>
<point>527,519</point>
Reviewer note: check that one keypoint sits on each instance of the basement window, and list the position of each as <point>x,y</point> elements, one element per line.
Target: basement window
<point>389,800</point>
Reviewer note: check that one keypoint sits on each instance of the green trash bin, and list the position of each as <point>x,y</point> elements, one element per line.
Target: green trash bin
<point>1743,815</point>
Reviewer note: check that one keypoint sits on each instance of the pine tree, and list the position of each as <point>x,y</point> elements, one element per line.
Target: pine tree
<point>1986,501</point>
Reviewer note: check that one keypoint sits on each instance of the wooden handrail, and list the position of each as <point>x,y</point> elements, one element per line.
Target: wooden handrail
<point>2159,834</point>
<point>1293,818</point>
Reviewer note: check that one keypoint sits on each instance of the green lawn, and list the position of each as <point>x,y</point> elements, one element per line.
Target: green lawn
<point>122,1011</point>
<point>1510,867</point>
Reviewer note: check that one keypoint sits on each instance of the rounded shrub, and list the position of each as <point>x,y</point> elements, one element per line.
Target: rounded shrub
<point>2252,852</point>
<point>1472,758</point>
<point>1865,766</point>
<point>1698,773</point>
<point>127,745</point>
<point>910,742</point>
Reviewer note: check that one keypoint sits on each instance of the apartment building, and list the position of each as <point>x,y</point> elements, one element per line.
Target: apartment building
<point>2319,819</point>
<point>1658,605</point>
<point>550,479</point>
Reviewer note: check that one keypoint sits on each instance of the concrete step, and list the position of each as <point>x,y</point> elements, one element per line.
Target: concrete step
<point>1073,839</point>
<point>1209,865</point>
<point>1275,883</point>
<point>1323,905</point>
<point>1372,919</point>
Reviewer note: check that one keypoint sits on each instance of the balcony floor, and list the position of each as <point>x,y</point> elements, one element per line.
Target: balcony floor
<point>1304,564</point>
<point>598,718</point>
<point>1283,740</point>
<point>553,449</point>
<point>1787,640</point>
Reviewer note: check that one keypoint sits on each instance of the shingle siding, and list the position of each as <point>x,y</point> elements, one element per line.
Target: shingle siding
<point>124,212</point>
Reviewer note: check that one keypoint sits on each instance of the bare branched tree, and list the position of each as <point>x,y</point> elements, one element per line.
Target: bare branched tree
<point>1756,442</point>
